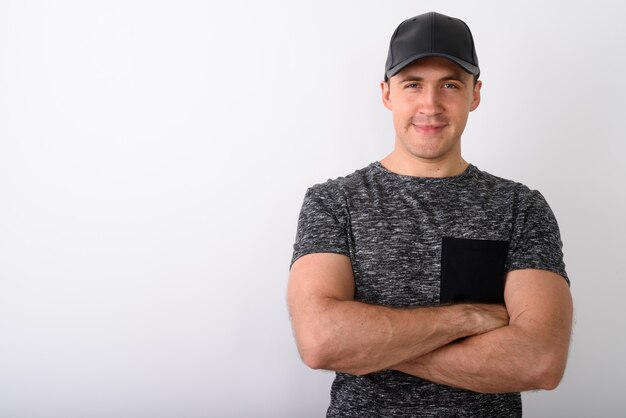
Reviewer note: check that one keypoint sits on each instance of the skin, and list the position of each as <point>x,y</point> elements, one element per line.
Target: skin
<point>530,353</point>
<point>430,101</point>
<point>335,332</point>
<point>520,346</point>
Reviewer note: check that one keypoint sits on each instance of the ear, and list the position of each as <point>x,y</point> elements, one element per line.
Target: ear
<point>385,90</point>
<point>476,96</point>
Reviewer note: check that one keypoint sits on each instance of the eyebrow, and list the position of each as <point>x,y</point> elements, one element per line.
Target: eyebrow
<point>451,76</point>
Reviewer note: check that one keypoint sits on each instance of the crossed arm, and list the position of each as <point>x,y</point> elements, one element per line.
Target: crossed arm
<point>521,347</point>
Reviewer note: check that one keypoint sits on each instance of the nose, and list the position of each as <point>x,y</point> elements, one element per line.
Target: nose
<point>430,103</point>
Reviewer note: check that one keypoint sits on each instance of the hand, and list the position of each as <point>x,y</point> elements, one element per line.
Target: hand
<point>487,316</point>
<point>482,317</point>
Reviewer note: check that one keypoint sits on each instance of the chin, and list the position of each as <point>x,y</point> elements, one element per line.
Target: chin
<point>429,154</point>
<point>431,150</point>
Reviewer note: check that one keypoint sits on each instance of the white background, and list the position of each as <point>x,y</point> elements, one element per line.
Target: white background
<point>153,160</point>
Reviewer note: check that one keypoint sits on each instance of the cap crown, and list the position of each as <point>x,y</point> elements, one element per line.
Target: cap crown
<point>431,34</point>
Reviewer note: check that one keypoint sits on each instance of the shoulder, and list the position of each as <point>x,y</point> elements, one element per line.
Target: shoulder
<point>494,181</point>
<point>514,191</point>
<point>340,188</point>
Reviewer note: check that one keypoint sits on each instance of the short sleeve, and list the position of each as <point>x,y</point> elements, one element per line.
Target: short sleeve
<point>536,242</point>
<point>322,226</point>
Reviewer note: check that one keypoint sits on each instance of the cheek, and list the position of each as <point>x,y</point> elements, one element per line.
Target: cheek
<point>461,110</point>
<point>402,120</point>
<point>403,112</point>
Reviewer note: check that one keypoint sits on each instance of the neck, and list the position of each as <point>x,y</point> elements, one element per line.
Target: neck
<point>420,167</point>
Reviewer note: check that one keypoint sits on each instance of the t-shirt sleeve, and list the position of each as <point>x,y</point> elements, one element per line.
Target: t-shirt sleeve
<point>322,226</point>
<point>536,240</point>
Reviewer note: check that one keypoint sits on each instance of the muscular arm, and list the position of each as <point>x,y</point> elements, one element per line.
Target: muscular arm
<point>334,332</point>
<point>530,353</point>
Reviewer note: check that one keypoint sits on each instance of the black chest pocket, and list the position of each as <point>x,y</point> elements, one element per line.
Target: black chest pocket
<point>472,270</point>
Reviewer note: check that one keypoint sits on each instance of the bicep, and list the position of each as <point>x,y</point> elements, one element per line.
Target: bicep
<point>319,276</point>
<point>316,282</point>
<point>539,303</point>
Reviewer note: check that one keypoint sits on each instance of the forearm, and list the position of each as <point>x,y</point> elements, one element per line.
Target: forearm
<point>358,338</point>
<point>508,359</point>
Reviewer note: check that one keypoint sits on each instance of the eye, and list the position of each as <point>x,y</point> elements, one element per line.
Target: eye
<point>450,86</point>
<point>411,85</point>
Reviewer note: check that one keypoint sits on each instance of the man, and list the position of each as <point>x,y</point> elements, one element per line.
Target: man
<point>432,288</point>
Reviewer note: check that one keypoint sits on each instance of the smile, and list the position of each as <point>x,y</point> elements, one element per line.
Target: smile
<point>428,129</point>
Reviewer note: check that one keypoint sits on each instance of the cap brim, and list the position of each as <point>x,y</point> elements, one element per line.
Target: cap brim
<point>470,68</point>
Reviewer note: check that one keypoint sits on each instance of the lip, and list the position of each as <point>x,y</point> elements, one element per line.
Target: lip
<point>429,129</point>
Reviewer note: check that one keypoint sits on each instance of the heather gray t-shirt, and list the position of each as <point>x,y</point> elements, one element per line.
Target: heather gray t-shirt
<point>419,241</point>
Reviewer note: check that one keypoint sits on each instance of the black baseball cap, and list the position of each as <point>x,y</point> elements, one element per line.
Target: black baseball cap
<point>431,35</point>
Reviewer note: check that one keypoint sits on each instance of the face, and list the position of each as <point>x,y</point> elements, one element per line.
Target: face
<point>430,101</point>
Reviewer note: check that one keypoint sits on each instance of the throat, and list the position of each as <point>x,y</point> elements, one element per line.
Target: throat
<point>423,167</point>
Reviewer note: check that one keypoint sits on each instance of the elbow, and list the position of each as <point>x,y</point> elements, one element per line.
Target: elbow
<point>321,356</point>
<point>549,373</point>
<point>321,360</point>
<point>314,358</point>
<point>313,351</point>
<point>550,379</point>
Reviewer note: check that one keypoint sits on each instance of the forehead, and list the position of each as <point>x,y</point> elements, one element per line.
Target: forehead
<point>433,67</point>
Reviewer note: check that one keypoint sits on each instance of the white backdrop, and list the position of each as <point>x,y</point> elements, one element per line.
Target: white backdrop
<point>153,160</point>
